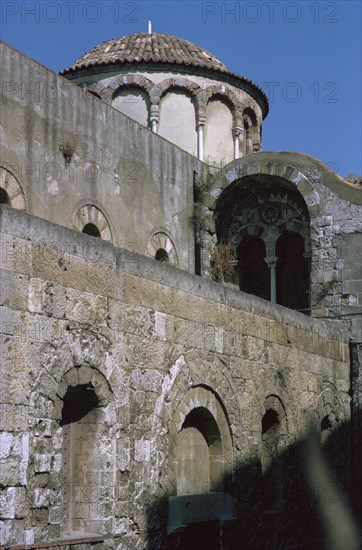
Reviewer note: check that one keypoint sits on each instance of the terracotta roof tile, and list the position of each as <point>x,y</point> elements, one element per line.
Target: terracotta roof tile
<point>148,47</point>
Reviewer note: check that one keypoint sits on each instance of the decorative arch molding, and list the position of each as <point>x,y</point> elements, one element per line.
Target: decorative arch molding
<point>91,214</point>
<point>191,370</point>
<point>161,241</point>
<point>251,131</point>
<point>223,92</point>
<point>10,185</point>
<point>182,83</point>
<point>119,82</point>
<point>239,169</point>
<point>268,232</point>
<point>99,89</point>
<point>250,115</point>
<point>274,391</point>
<point>330,404</point>
<point>201,398</point>
<point>109,89</point>
<point>79,357</point>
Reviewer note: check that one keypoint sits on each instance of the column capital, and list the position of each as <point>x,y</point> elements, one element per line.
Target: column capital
<point>237,131</point>
<point>271,261</point>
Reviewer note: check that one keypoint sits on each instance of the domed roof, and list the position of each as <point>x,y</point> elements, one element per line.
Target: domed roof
<point>143,47</point>
<point>161,49</point>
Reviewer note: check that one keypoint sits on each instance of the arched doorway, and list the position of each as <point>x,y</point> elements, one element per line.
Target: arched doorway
<point>199,454</point>
<point>200,469</point>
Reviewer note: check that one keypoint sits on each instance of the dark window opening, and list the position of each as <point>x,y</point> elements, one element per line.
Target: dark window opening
<point>326,423</point>
<point>78,402</point>
<point>201,536</point>
<point>292,272</point>
<point>201,419</point>
<point>269,420</point>
<point>254,277</point>
<point>162,256</point>
<point>91,229</point>
<point>4,197</point>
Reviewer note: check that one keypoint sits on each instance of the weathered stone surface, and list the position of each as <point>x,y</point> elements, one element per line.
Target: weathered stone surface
<point>108,356</point>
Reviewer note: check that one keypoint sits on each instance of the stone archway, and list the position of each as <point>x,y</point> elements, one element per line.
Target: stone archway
<point>10,190</point>
<point>201,410</point>
<point>200,465</point>
<point>159,242</point>
<point>259,216</point>
<point>90,220</point>
<point>73,437</point>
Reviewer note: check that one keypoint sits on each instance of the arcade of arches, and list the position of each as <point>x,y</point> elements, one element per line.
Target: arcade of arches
<point>267,224</point>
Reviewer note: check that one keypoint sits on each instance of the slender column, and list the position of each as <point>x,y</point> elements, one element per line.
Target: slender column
<point>154,118</point>
<point>200,123</point>
<point>200,141</point>
<point>236,135</point>
<point>242,137</point>
<point>272,262</point>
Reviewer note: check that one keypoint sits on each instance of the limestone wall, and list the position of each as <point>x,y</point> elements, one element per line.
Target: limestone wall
<point>152,343</point>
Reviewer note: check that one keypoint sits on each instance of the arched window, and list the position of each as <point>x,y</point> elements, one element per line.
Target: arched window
<point>90,220</point>
<point>161,248</point>
<point>200,460</point>
<point>83,462</point>
<point>292,272</point>
<point>254,275</point>
<point>92,230</point>
<point>10,190</point>
<point>248,142</point>
<point>162,256</point>
<point>273,429</point>
<point>4,197</point>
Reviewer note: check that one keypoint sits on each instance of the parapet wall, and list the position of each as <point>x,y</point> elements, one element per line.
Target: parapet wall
<point>144,335</point>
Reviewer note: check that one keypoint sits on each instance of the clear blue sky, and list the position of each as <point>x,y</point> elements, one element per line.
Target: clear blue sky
<point>310,50</point>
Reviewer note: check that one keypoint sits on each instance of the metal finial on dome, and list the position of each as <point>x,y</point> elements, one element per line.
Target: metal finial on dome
<point>149,27</point>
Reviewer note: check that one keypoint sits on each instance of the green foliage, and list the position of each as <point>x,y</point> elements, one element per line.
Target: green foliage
<point>222,262</point>
<point>196,219</point>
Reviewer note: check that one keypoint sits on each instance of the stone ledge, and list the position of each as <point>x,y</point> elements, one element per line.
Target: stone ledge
<point>92,539</point>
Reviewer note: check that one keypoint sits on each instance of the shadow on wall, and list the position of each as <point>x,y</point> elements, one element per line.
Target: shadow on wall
<point>310,497</point>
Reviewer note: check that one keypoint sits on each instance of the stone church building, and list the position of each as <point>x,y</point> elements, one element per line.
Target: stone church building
<point>179,310</point>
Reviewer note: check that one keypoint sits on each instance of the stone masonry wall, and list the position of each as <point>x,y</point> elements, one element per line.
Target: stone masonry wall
<point>142,334</point>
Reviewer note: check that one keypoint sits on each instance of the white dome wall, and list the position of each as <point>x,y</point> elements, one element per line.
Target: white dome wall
<point>177,121</point>
<point>134,103</point>
<point>218,139</point>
